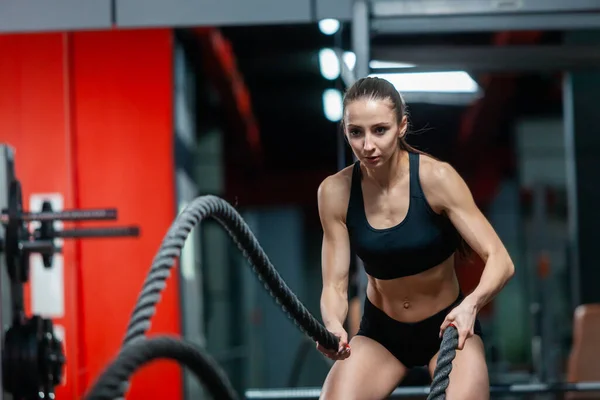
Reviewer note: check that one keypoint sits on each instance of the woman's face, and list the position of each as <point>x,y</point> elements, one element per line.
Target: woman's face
<point>372,130</point>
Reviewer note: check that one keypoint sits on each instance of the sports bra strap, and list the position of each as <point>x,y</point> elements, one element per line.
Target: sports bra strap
<point>415,183</point>
<point>356,197</point>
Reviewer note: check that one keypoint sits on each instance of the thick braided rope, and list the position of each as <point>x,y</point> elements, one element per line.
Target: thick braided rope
<point>141,353</point>
<point>217,208</point>
<point>441,374</point>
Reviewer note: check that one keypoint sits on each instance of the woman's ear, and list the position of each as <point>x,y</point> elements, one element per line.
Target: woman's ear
<point>343,131</point>
<point>402,129</point>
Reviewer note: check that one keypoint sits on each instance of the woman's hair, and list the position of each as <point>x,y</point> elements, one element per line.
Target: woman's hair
<point>381,89</point>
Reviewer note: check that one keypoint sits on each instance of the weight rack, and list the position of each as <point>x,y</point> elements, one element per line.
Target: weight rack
<point>33,358</point>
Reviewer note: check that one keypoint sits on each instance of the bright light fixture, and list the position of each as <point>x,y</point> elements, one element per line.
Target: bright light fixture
<point>332,105</point>
<point>432,82</point>
<point>329,64</point>
<point>329,26</point>
<point>350,60</point>
<point>375,64</point>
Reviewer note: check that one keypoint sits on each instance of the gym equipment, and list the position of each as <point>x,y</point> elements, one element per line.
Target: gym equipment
<point>311,393</point>
<point>199,209</point>
<point>140,353</point>
<point>112,383</point>
<point>32,355</point>
<point>441,374</point>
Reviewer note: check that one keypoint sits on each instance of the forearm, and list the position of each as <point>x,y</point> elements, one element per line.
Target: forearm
<point>498,270</point>
<point>334,307</point>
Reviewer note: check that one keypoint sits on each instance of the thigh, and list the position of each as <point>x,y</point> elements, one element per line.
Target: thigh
<point>469,378</point>
<point>370,373</point>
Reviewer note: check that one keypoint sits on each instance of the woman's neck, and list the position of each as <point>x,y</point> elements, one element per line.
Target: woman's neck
<point>387,174</point>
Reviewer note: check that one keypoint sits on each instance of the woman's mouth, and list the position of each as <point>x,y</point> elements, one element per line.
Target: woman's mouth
<point>372,160</point>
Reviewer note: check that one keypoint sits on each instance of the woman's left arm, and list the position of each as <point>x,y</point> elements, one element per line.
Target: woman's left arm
<point>457,202</point>
<point>451,194</point>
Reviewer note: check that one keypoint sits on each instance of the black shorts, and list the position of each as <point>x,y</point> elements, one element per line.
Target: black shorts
<point>413,343</point>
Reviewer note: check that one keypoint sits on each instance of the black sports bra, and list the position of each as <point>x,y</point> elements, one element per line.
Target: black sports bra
<point>421,241</point>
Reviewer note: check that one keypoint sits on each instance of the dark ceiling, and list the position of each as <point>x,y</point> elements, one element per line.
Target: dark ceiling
<point>279,65</point>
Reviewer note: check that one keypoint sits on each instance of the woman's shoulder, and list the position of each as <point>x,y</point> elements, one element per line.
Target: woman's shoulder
<point>334,191</point>
<point>337,184</point>
<point>439,180</point>
<point>433,171</point>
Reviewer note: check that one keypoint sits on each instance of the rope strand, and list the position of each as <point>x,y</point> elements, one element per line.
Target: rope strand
<point>199,209</point>
<point>441,374</point>
<point>141,353</point>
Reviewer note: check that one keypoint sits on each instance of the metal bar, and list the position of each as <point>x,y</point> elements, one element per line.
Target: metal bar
<point>107,232</point>
<point>184,13</point>
<point>537,307</point>
<point>361,38</point>
<point>71,215</point>
<point>57,15</point>
<point>572,188</point>
<point>346,73</point>
<point>478,7</point>
<point>485,23</point>
<point>525,388</point>
<point>39,246</point>
<point>490,58</point>
<point>6,311</point>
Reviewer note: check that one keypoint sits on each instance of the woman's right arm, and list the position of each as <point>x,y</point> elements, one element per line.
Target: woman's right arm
<point>335,254</point>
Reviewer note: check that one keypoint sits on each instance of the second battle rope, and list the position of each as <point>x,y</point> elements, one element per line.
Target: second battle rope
<point>441,374</point>
<point>141,353</point>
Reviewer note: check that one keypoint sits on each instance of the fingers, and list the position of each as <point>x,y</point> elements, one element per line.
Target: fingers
<point>447,322</point>
<point>344,347</point>
<point>342,353</point>
<point>461,340</point>
<point>343,343</point>
<point>463,335</point>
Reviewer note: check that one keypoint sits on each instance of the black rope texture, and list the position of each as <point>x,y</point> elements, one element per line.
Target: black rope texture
<point>441,374</point>
<point>141,353</point>
<point>212,206</point>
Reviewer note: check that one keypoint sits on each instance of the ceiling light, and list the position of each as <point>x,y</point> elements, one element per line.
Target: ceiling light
<point>332,105</point>
<point>375,64</point>
<point>329,26</point>
<point>433,82</point>
<point>350,60</point>
<point>329,64</point>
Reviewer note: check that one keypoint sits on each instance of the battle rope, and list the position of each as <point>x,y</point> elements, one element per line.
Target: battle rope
<point>202,207</point>
<point>441,374</point>
<point>217,208</point>
<point>138,354</point>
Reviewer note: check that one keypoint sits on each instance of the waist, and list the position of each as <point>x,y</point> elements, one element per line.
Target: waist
<point>370,309</point>
<point>412,300</point>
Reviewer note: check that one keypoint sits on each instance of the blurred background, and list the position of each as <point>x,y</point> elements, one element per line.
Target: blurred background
<point>145,105</point>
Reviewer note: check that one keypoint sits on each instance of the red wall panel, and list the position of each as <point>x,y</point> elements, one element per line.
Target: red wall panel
<point>124,124</point>
<point>33,119</point>
<point>90,116</point>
